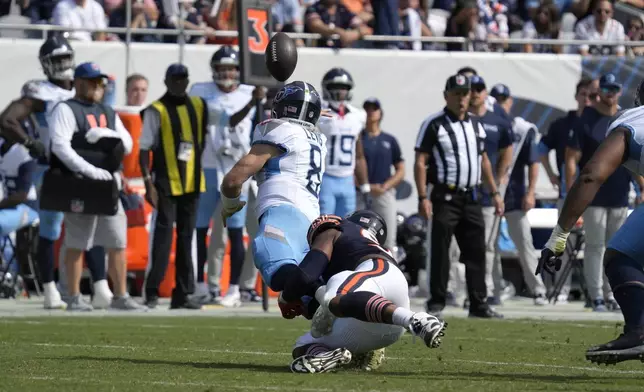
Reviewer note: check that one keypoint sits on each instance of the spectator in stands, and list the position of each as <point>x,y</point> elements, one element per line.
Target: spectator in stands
<point>362,9</point>
<point>386,21</point>
<point>465,22</point>
<point>144,16</point>
<point>136,88</point>
<point>328,17</point>
<point>172,16</point>
<point>545,25</point>
<point>224,19</point>
<point>78,14</point>
<point>635,32</point>
<point>287,16</point>
<point>40,11</point>
<point>412,25</point>
<point>7,5</point>
<point>600,26</point>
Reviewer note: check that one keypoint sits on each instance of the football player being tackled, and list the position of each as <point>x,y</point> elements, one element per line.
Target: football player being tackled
<point>361,300</point>
<point>624,257</point>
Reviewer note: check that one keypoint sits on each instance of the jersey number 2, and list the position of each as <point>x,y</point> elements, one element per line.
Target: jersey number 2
<point>314,175</point>
<point>343,151</point>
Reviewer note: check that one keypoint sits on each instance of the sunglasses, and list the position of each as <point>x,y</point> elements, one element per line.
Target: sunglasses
<point>610,90</point>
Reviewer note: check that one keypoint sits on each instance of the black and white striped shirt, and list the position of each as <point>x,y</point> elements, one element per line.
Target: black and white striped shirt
<point>454,147</point>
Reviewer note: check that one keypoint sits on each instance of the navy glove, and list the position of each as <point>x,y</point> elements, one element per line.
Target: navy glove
<point>548,262</point>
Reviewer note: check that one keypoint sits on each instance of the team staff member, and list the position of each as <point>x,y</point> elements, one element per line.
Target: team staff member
<point>557,139</point>
<point>76,122</point>
<point>498,146</point>
<point>450,154</point>
<point>609,209</point>
<point>382,152</point>
<point>518,199</point>
<point>174,129</point>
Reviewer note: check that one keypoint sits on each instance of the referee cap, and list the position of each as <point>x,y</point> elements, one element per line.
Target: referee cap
<point>457,82</point>
<point>500,90</point>
<point>89,70</point>
<point>176,69</point>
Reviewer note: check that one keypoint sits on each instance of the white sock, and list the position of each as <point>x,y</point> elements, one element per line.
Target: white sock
<point>102,288</point>
<point>402,317</point>
<point>50,289</point>
<point>233,289</point>
<point>319,295</point>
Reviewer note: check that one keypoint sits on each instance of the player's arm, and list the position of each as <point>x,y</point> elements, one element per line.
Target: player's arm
<point>488,179</point>
<point>571,158</point>
<point>247,167</point>
<point>505,155</point>
<point>258,94</point>
<point>13,116</point>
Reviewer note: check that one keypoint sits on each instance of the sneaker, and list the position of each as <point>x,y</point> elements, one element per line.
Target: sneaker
<point>369,361</point>
<point>599,305</point>
<point>322,322</point>
<point>78,304</point>
<point>562,299</point>
<point>494,301</point>
<point>250,296</point>
<point>485,313</point>
<point>540,300</point>
<point>231,300</point>
<point>508,292</point>
<point>428,327</point>
<point>628,346</point>
<point>102,299</point>
<point>434,309</point>
<point>613,306</point>
<point>450,300</point>
<point>54,301</point>
<point>151,301</point>
<point>321,363</point>
<point>184,303</point>
<point>126,303</point>
<point>201,294</point>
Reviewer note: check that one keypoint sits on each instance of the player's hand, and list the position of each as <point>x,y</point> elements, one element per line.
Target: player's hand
<point>425,208</point>
<point>259,93</point>
<point>151,195</point>
<point>99,174</point>
<point>555,181</point>
<point>499,205</point>
<point>377,190</point>
<point>290,310</point>
<point>548,262</point>
<point>528,201</point>
<point>230,207</point>
<point>36,148</point>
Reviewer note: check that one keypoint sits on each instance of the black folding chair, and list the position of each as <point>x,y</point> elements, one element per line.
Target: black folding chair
<point>573,248</point>
<point>23,254</point>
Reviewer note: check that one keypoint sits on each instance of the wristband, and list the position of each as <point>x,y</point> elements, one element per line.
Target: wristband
<point>229,201</point>
<point>421,198</point>
<point>557,240</point>
<point>365,188</point>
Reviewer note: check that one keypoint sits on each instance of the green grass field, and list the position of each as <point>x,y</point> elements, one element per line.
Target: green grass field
<point>252,354</point>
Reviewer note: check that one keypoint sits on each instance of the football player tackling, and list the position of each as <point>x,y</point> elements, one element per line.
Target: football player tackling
<point>624,257</point>
<point>287,159</point>
<point>361,286</point>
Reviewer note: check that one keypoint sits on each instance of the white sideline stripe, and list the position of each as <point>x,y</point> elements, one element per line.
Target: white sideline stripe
<point>264,353</point>
<point>180,384</point>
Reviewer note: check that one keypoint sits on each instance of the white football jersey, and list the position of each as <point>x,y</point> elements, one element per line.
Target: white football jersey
<point>633,120</point>
<point>294,177</point>
<point>10,164</point>
<point>341,133</point>
<point>224,147</point>
<point>49,93</point>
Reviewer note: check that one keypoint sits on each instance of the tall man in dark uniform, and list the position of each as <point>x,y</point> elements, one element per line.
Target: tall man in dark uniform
<point>557,139</point>
<point>174,129</point>
<point>450,154</point>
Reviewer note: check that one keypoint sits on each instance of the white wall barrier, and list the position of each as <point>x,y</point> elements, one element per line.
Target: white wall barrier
<point>409,84</point>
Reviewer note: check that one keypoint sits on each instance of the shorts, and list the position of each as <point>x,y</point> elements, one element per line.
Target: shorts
<point>628,238</point>
<point>16,218</point>
<point>376,276</point>
<point>208,203</point>
<point>86,231</point>
<point>337,195</point>
<point>280,239</point>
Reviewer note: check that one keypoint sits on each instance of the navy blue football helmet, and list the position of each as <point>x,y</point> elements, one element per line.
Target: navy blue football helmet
<point>225,56</point>
<point>335,80</point>
<point>372,222</point>
<point>57,58</point>
<point>639,94</point>
<point>297,101</point>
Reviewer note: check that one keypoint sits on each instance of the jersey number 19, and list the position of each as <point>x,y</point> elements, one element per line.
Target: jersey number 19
<point>314,175</point>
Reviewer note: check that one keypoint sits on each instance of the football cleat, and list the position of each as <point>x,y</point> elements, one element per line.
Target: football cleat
<point>321,363</point>
<point>322,322</point>
<point>627,347</point>
<point>429,328</point>
<point>369,361</point>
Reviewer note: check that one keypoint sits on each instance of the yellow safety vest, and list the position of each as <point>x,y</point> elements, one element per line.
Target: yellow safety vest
<point>177,157</point>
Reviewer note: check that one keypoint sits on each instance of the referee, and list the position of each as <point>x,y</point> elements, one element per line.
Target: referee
<point>450,154</point>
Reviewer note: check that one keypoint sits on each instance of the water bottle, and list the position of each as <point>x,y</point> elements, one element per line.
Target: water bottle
<point>109,97</point>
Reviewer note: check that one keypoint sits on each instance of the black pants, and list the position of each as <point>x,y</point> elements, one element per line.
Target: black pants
<point>460,215</point>
<point>170,209</point>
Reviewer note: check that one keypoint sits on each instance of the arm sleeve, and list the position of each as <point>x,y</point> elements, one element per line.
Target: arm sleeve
<point>396,154</point>
<point>26,176</point>
<point>426,137</point>
<point>150,133</point>
<point>63,126</point>
<point>124,134</point>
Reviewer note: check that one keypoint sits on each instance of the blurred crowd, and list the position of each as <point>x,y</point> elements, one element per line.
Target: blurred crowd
<point>350,20</point>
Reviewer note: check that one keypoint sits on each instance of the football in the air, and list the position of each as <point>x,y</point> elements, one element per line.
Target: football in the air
<point>281,56</point>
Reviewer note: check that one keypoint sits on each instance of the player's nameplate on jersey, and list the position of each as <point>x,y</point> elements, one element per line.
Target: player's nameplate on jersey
<point>254,21</point>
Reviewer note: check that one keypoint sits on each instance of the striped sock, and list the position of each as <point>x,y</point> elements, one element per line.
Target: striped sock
<point>317,349</point>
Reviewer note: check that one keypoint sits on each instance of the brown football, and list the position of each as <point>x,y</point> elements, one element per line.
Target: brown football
<point>281,56</point>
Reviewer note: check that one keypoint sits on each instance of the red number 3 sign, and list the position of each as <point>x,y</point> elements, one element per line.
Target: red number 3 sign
<point>258,40</point>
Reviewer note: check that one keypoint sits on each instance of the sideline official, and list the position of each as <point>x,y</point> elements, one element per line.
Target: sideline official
<point>174,129</point>
<point>89,138</point>
<point>450,154</point>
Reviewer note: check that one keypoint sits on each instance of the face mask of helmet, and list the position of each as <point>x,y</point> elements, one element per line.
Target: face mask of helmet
<point>337,92</point>
<point>58,67</point>
<point>224,76</point>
